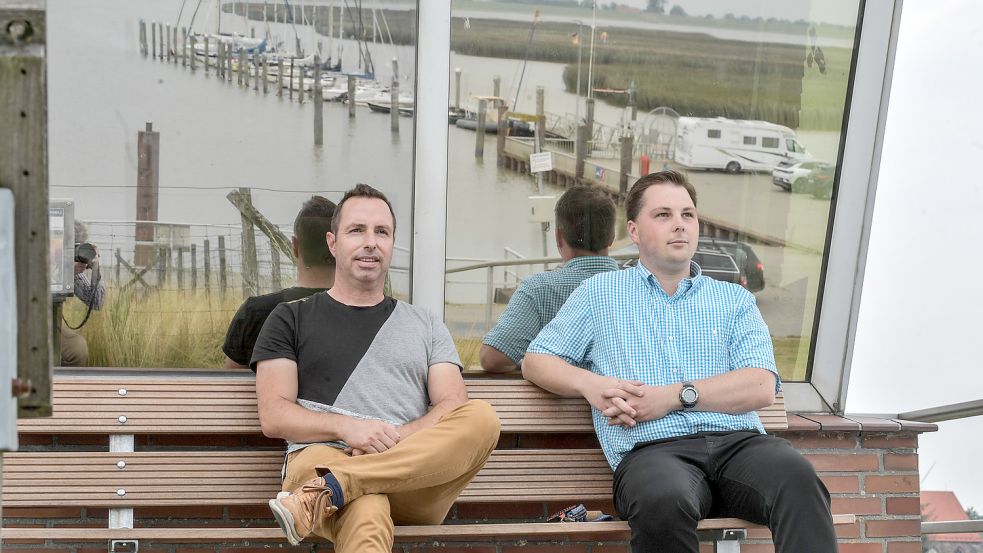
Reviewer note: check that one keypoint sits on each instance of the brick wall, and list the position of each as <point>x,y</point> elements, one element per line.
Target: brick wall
<point>869,465</point>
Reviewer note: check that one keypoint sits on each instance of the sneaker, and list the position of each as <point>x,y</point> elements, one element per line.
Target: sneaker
<point>298,512</point>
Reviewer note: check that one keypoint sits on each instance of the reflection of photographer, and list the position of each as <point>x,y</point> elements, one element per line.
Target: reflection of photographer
<point>91,291</point>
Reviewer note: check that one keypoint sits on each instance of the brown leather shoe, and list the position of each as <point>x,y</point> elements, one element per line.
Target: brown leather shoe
<point>298,512</point>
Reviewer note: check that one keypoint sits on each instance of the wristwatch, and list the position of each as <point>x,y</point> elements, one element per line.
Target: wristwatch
<point>689,395</point>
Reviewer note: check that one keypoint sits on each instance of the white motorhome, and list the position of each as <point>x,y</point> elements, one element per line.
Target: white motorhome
<point>735,145</point>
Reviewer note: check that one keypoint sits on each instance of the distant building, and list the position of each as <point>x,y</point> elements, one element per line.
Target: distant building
<point>943,506</point>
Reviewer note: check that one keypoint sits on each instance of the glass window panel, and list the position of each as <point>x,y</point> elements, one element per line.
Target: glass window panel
<point>683,87</point>
<point>174,282</point>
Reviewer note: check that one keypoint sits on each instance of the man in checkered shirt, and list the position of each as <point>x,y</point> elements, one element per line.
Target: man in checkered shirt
<point>585,218</point>
<point>676,365</point>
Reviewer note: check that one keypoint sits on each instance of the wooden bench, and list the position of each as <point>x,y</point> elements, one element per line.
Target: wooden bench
<point>125,407</point>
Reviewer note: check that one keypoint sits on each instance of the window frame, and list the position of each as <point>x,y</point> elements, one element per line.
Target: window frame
<point>851,209</point>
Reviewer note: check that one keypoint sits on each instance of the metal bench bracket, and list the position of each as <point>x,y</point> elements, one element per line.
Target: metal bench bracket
<point>124,546</point>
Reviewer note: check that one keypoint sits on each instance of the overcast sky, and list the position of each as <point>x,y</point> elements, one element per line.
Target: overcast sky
<point>839,12</point>
<point>917,341</point>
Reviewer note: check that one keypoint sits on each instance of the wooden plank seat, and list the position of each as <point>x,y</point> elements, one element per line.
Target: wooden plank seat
<point>122,480</point>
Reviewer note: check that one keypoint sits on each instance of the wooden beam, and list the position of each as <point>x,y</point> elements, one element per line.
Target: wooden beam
<point>24,170</point>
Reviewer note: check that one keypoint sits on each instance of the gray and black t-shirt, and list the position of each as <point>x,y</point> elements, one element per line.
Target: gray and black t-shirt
<point>365,362</point>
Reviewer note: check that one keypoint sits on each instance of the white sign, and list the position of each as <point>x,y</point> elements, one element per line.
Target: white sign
<point>540,162</point>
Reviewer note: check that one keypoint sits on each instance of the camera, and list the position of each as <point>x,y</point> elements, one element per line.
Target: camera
<point>85,253</point>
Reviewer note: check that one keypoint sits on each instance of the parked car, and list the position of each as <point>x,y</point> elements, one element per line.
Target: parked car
<point>819,183</point>
<point>710,255</point>
<point>792,175</point>
<point>747,261</point>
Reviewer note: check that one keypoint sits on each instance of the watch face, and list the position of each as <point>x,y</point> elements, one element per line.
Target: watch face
<point>689,395</point>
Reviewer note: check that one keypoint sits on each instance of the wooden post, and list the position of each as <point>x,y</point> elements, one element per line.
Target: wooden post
<point>241,65</point>
<point>580,153</point>
<point>116,267</point>
<point>275,266</point>
<point>503,131</point>
<point>168,52</point>
<point>161,267</point>
<point>193,54</point>
<point>207,263</point>
<point>24,170</point>
<point>148,186</point>
<point>223,276</point>
<point>180,268</point>
<point>590,125</point>
<point>479,131</point>
<point>266,74</point>
<point>318,104</point>
<point>153,39</point>
<point>457,88</point>
<point>207,61</point>
<point>160,38</point>
<point>194,266</point>
<point>351,96</point>
<point>228,63</point>
<point>627,147</point>
<point>541,118</point>
<point>291,97</point>
<point>249,269</point>
<point>184,46</point>
<point>394,98</point>
<point>497,86</point>
<point>219,60</point>
<point>258,74</point>
<point>143,38</point>
<point>279,76</point>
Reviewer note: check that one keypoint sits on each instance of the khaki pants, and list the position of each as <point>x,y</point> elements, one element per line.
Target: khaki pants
<point>74,349</point>
<point>415,482</point>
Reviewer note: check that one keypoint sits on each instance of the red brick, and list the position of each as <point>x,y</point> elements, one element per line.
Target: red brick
<point>848,530</point>
<point>207,511</point>
<point>558,441</point>
<point>249,511</point>
<point>538,548</point>
<point>83,439</point>
<point>822,440</point>
<point>614,548</point>
<point>895,461</point>
<point>904,547</point>
<point>861,548</point>
<point>903,506</point>
<point>857,506</point>
<point>33,439</point>
<point>481,511</point>
<point>889,440</point>
<point>41,512</point>
<point>845,462</point>
<point>841,484</point>
<point>889,528</point>
<point>891,484</point>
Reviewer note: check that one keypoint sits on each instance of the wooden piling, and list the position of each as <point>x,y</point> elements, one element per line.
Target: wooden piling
<point>207,264</point>
<point>318,107</point>
<point>194,266</point>
<point>258,74</point>
<point>627,147</point>
<point>279,76</point>
<point>228,63</point>
<point>219,60</point>
<point>184,46</point>
<point>207,62</point>
<point>249,263</point>
<point>223,276</point>
<point>503,131</point>
<point>143,38</point>
<point>291,97</point>
<point>153,40</point>
<point>394,98</point>
<point>241,72</point>
<point>351,96</point>
<point>160,37</point>
<point>266,74</point>
<point>191,60</point>
<point>275,266</point>
<point>167,41</point>
<point>479,131</point>
<point>174,55</point>
<point>180,268</point>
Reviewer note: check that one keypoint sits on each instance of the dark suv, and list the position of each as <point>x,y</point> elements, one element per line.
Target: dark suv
<point>747,261</point>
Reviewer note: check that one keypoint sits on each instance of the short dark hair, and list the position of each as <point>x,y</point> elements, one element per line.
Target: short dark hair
<point>311,227</point>
<point>585,217</point>
<point>360,191</point>
<point>633,202</point>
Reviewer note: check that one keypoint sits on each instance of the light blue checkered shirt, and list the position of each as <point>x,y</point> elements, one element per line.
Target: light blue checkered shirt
<point>537,301</point>
<point>623,324</point>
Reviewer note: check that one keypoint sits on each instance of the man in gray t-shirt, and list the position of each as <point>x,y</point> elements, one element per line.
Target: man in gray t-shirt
<point>367,391</point>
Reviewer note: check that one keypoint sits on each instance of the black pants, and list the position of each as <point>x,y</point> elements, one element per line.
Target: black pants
<point>664,489</point>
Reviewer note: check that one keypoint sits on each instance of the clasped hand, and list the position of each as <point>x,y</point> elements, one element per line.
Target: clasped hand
<point>626,403</point>
<point>366,436</point>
